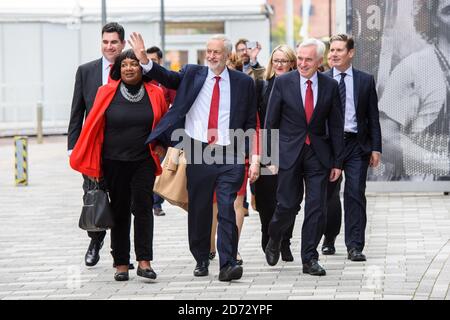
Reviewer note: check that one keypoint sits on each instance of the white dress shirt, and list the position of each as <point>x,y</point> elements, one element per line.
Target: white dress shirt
<point>196,125</point>
<point>198,116</point>
<point>350,110</point>
<point>314,85</point>
<point>105,70</point>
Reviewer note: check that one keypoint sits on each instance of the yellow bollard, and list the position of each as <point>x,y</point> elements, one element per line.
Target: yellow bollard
<point>21,158</point>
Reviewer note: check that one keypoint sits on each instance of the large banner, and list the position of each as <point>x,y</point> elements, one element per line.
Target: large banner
<point>406,45</point>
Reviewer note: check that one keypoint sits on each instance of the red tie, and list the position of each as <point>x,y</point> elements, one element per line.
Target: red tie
<point>109,72</point>
<point>214,113</point>
<point>309,106</point>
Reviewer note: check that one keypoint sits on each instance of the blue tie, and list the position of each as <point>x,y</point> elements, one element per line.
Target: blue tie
<point>342,91</point>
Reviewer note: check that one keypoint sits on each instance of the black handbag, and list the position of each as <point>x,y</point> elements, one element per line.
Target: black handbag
<point>96,214</point>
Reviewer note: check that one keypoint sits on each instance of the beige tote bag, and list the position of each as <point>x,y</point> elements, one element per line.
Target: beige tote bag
<point>171,185</point>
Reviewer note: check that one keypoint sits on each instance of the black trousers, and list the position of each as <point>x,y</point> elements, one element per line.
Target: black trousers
<point>308,170</point>
<point>204,176</point>
<point>266,202</point>
<point>98,236</point>
<point>356,163</point>
<point>131,182</point>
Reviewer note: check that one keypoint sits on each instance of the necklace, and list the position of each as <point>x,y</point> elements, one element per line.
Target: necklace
<point>132,97</point>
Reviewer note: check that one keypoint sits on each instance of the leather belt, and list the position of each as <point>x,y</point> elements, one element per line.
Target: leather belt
<point>349,135</point>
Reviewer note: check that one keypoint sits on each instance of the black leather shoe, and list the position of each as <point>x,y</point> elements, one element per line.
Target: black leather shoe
<point>201,269</point>
<point>356,255</point>
<point>148,273</point>
<point>313,268</point>
<point>231,272</point>
<point>328,247</point>
<point>93,253</point>
<point>286,254</point>
<point>121,276</point>
<point>273,252</point>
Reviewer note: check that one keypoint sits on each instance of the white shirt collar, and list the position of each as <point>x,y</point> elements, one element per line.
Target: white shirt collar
<point>313,79</point>
<point>105,63</point>
<point>224,75</point>
<point>349,72</point>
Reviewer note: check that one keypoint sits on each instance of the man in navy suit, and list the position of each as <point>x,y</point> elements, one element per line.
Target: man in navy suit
<point>305,107</point>
<point>90,76</point>
<point>210,101</point>
<point>362,149</point>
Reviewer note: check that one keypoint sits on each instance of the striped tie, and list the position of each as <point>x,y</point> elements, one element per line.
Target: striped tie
<point>342,91</point>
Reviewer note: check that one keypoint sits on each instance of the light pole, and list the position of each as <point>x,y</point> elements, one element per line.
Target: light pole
<point>289,5</point>
<point>329,18</point>
<point>103,12</point>
<point>163,28</point>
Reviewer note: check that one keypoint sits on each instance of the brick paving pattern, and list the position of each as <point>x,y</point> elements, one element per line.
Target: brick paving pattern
<point>42,248</point>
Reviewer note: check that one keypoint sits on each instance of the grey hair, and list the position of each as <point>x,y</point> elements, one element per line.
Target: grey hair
<point>320,46</point>
<point>226,41</point>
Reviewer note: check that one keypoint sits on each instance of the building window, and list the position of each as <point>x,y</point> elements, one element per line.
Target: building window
<point>192,28</point>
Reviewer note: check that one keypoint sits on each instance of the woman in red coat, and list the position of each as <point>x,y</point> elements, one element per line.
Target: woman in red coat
<point>111,145</point>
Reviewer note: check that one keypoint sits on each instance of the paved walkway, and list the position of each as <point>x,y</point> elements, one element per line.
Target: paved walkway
<point>42,248</point>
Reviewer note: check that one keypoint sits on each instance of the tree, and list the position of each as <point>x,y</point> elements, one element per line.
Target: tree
<point>279,32</point>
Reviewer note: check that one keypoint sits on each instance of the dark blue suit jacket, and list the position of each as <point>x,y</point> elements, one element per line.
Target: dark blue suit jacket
<point>188,83</point>
<point>366,104</point>
<point>286,112</point>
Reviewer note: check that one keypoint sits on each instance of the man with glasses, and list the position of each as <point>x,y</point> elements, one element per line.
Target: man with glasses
<point>249,56</point>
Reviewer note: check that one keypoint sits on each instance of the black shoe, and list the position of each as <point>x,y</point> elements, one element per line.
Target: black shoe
<point>239,260</point>
<point>313,268</point>
<point>201,269</point>
<point>212,255</point>
<point>230,272</point>
<point>356,255</point>
<point>148,273</point>
<point>273,252</point>
<point>130,266</point>
<point>159,212</point>
<point>121,276</point>
<point>93,253</point>
<point>286,254</point>
<point>328,247</point>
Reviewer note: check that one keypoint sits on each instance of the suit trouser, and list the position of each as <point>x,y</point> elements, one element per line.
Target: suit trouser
<point>356,163</point>
<point>131,182</point>
<point>307,169</point>
<point>97,236</point>
<point>202,180</point>
<point>266,203</point>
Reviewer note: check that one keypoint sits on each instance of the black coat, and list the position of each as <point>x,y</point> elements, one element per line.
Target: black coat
<point>366,104</point>
<point>87,81</point>
<point>326,129</point>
